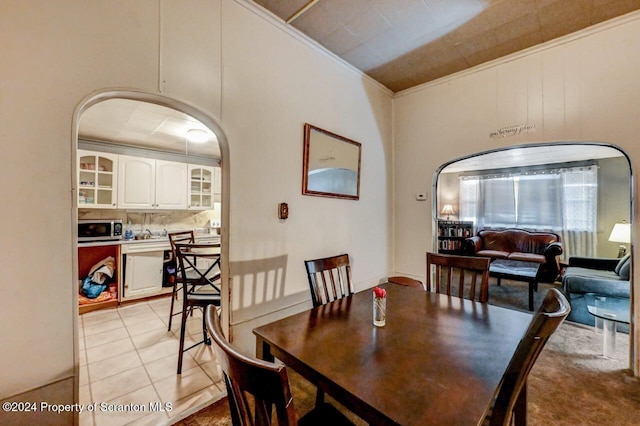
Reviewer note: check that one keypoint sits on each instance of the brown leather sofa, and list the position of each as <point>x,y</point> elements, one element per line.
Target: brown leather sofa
<point>519,244</point>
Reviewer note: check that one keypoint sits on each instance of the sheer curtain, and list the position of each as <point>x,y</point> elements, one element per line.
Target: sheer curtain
<point>561,200</point>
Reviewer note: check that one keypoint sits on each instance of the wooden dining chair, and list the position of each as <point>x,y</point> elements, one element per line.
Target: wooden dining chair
<point>510,404</point>
<point>199,270</point>
<point>329,279</point>
<point>176,281</point>
<point>255,386</point>
<point>464,267</point>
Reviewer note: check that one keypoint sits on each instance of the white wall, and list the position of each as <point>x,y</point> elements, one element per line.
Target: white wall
<point>260,84</point>
<point>584,88</point>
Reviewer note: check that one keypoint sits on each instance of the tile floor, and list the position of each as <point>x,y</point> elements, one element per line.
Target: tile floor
<point>128,359</point>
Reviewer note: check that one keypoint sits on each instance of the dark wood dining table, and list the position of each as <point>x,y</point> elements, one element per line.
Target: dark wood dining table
<point>437,361</point>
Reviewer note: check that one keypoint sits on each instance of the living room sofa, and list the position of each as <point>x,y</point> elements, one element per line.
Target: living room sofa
<point>604,276</point>
<point>519,244</point>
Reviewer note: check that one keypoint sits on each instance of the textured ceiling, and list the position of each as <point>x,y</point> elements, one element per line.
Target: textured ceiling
<point>404,43</point>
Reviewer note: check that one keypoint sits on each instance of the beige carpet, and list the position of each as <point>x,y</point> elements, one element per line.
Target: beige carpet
<point>571,383</point>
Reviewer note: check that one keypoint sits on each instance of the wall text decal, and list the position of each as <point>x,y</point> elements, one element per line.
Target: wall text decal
<point>508,131</point>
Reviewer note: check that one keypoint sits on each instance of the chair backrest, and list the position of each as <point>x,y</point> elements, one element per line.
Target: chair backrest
<point>198,265</point>
<point>546,320</point>
<point>464,267</point>
<point>180,237</point>
<point>253,385</point>
<point>329,279</point>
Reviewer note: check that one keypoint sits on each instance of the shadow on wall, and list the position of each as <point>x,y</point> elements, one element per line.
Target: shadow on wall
<point>258,288</point>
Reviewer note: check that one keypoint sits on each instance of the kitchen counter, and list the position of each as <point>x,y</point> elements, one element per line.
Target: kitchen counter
<point>154,239</point>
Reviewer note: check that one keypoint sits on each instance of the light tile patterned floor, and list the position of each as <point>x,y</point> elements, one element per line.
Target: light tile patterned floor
<point>128,360</point>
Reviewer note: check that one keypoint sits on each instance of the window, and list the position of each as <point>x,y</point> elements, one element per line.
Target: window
<point>562,200</point>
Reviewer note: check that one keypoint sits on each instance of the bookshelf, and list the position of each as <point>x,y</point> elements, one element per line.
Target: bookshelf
<point>451,235</point>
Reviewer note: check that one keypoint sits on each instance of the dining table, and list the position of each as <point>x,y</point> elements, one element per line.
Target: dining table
<point>438,360</point>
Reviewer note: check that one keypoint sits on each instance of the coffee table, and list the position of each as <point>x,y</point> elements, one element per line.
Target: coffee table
<point>517,270</point>
<point>611,310</point>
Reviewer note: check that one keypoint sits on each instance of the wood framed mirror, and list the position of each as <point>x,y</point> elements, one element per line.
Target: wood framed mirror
<point>331,164</point>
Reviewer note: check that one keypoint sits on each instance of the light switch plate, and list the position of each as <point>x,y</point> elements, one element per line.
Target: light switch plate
<point>421,196</point>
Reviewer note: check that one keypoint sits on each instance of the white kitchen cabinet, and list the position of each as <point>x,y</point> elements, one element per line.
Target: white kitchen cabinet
<point>97,179</point>
<point>217,187</point>
<point>142,272</point>
<point>151,184</point>
<point>202,182</point>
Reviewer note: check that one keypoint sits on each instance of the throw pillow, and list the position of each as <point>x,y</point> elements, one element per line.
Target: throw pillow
<point>621,263</point>
<point>625,270</point>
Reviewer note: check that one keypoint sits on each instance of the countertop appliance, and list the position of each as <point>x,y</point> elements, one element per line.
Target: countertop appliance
<point>99,229</point>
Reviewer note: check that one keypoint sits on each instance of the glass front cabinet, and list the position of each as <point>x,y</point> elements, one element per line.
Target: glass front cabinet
<point>201,187</point>
<point>97,179</point>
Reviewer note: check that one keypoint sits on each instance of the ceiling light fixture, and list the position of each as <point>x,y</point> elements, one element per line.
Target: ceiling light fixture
<point>197,136</point>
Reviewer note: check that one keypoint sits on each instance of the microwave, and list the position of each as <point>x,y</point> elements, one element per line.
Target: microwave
<point>99,229</point>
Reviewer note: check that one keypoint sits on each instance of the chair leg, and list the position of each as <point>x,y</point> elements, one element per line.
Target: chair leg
<point>319,397</point>
<point>205,335</point>
<point>173,298</point>
<point>183,327</point>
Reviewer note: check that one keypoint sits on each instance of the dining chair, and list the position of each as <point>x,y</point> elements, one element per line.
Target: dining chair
<point>449,265</point>
<point>510,404</point>
<point>329,279</point>
<point>199,270</point>
<point>176,237</point>
<point>405,281</point>
<point>255,386</point>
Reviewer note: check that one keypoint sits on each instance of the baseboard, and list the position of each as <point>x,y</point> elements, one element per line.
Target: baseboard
<point>34,407</point>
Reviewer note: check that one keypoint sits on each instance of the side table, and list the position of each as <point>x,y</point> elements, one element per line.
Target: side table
<point>611,310</point>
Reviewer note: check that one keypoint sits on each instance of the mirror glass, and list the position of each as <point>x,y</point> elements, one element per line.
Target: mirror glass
<point>331,164</point>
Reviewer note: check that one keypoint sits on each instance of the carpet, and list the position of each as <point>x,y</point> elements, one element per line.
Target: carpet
<point>570,384</point>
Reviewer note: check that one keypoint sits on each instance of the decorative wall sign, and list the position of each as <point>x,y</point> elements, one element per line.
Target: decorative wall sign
<point>508,131</point>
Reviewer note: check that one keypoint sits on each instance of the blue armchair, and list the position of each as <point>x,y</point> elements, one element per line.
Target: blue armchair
<point>606,276</point>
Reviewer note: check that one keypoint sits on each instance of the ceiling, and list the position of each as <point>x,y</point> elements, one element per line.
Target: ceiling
<point>145,125</point>
<point>404,43</point>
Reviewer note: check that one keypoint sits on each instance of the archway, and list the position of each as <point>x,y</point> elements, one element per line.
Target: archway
<point>183,108</point>
<point>509,175</point>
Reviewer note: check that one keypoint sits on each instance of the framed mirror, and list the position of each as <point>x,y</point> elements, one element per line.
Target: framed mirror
<point>331,164</point>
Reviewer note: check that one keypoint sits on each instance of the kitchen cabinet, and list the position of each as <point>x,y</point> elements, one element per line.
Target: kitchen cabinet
<point>151,184</point>
<point>202,186</point>
<point>143,269</point>
<point>97,179</point>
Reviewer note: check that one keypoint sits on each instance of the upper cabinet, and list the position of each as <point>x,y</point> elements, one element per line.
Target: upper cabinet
<point>202,180</point>
<point>151,184</point>
<point>97,179</point>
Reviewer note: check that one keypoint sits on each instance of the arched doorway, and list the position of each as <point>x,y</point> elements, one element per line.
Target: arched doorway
<point>527,186</point>
<point>177,111</point>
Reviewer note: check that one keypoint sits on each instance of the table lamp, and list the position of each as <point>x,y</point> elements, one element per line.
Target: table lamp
<point>621,233</point>
<point>448,210</point>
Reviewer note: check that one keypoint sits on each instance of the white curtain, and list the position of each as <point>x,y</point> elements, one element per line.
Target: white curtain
<point>561,200</point>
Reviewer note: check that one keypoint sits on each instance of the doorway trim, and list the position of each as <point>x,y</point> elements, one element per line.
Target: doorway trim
<point>206,119</point>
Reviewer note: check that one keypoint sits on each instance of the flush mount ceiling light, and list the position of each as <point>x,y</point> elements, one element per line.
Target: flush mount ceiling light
<point>197,136</point>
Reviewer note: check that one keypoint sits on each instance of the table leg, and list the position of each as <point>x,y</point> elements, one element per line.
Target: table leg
<point>609,339</point>
<point>532,285</point>
<point>263,350</point>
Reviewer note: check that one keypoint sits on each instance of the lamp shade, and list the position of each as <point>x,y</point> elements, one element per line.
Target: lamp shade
<point>447,209</point>
<point>621,233</point>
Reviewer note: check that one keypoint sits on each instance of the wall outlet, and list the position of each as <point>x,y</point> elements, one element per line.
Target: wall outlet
<point>421,196</point>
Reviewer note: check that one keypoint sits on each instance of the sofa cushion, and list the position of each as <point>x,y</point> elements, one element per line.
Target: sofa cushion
<point>494,254</point>
<point>621,263</point>
<point>625,270</point>
<point>584,280</point>
<point>527,257</point>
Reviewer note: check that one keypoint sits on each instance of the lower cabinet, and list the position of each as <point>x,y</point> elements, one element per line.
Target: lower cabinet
<point>143,274</point>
